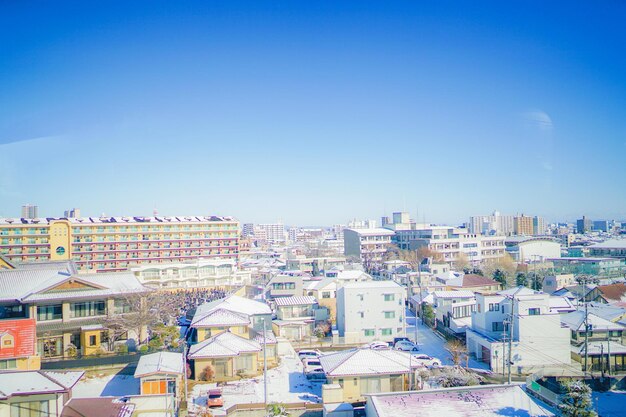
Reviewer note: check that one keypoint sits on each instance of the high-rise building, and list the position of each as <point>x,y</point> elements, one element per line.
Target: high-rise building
<point>584,225</point>
<point>539,225</point>
<point>30,211</point>
<point>247,229</point>
<point>496,224</point>
<point>71,213</point>
<point>523,225</point>
<point>274,232</point>
<point>116,243</point>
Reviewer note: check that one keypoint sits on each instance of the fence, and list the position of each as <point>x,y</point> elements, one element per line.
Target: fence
<point>535,388</point>
<point>92,361</point>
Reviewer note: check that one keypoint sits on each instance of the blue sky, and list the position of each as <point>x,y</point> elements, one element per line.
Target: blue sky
<point>314,112</point>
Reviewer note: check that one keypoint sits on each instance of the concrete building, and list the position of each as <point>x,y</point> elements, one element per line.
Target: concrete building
<point>453,310</point>
<point>72,213</point>
<point>523,225</point>
<point>108,244</point>
<point>368,244</point>
<point>369,311</point>
<point>200,273</point>
<point>526,249</point>
<point>30,211</point>
<point>584,225</point>
<point>274,232</point>
<point>598,267</point>
<point>496,224</point>
<point>532,320</point>
<point>612,248</point>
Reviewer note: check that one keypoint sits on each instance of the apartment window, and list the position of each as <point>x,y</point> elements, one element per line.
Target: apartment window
<point>494,307</point>
<point>361,314</point>
<point>369,332</point>
<point>8,364</point>
<point>390,314</point>
<point>122,306</point>
<point>51,312</point>
<point>326,294</point>
<point>497,326</point>
<point>389,297</point>
<point>87,309</point>
<point>386,332</point>
<point>534,311</point>
<point>31,409</point>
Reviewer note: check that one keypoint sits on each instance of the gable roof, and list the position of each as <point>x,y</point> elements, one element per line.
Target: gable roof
<point>24,334</point>
<point>221,317</point>
<point>233,303</point>
<point>576,321</point>
<point>471,280</point>
<point>224,344</point>
<point>295,301</point>
<point>366,362</point>
<point>613,292</point>
<point>23,383</point>
<point>98,407</point>
<point>160,363</point>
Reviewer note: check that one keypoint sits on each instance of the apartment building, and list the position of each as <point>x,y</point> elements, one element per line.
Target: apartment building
<point>108,244</point>
<point>495,224</point>
<point>370,310</point>
<point>450,242</point>
<point>368,244</point>
<point>523,225</point>
<point>532,320</point>
<point>201,273</point>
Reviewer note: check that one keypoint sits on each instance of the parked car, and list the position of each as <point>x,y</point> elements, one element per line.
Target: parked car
<point>426,360</point>
<point>311,363</point>
<point>215,398</point>
<point>308,353</point>
<point>406,346</point>
<point>399,339</point>
<point>376,345</point>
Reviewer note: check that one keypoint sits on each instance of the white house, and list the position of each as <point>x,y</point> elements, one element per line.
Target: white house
<point>539,340</point>
<point>453,310</point>
<point>368,244</point>
<point>371,310</point>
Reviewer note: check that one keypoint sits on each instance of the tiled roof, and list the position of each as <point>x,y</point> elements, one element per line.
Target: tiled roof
<point>24,333</point>
<point>471,280</point>
<point>232,303</point>
<point>58,325</point>
<point>36,382</point>
<point>615,292</point>
<point>270,339</point>
<point>576,321</point>
<point>295,301</point>
<point>222,318</point>
<point>160,363</point>
<point>366,362</point>
<point>97,407</point>
<point>453,294</point>
<point>224,344</point>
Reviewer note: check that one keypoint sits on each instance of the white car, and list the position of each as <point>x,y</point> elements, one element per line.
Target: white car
<point>376,345</point>
<point>427,361</point>
<point>308,353</point>
<point>406,346</point>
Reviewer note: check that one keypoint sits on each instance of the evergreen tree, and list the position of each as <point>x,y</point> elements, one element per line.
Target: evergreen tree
<point>577,402</point>
<point>500,276</point>
<point>521,280</point>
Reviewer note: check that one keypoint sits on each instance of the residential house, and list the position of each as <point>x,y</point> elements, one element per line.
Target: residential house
<point>613,293</point>
<point>532,320</point>
<point>127,406</point>
<point>583,293</point>
<point>285,284</point>
<point>296,317</point>
<point>228,335</point>
<point>161,373</point>
<point>36,393</point>
<point>552,283</point>
<point>369,311</point>
<point>17,345</point>
<point>479,400</point>
<point>350,374</point>
<point>453,310</point>
<point>70,309</point>
<point>605,341</point>
<point>325,292</point>
<point>473,282</point>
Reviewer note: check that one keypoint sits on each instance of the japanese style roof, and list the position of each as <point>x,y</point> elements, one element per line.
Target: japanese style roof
<point>160,363</point>
<point>270,339</point>
<point>366,362</point>
<point>576,321</point>
<point>600,348</point>
<point>224,344</point>
<point>222,318</point>
<point>233,303</point>
<point>24,334</point>
<point>613,292</point>
<point>295,301</point>
<point>98,407</point>
<point>22,383</point>
<point>480,400</point>
<point>472,280</point>
<point>453,294</point>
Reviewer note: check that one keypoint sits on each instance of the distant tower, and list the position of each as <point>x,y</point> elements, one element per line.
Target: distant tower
<point>155,212</point>
<point>72,213</point>
<point>30,211</point>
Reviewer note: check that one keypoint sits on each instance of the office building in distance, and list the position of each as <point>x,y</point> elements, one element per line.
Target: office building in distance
<point>107,244</point>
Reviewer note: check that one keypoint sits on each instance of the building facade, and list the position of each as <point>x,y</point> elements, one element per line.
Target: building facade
<point>109,244</point>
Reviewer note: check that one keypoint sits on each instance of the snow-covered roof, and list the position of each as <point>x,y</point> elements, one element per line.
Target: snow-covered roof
<point>480,401</point>
<point>224,344</point>
<point>560,304</point>
<point>366,362</point>
<point>160,363</point>
<point>607,311</point>
<point>453,294</point>
<point>373,284</point>
<point>375,231</point>
<point>295,301</point>
<point>36,382</point>
<point>576,321</point>
<point>232,303</point>
<point>221,317</point>
<point>600,347</point>
<point>611,244</point>
<point>519,291</point>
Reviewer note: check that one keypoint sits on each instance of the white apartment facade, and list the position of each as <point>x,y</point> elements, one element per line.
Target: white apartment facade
<point>539,340</point>
<point>372,310</point>
<point>496,224</point>
<point>368,244</point>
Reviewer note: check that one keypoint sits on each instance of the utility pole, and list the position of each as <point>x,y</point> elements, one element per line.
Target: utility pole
<point>584,280</point>
<point>511,337</point>
<point>608,349</point>
<point>265,364</point>
<point>185,372</point>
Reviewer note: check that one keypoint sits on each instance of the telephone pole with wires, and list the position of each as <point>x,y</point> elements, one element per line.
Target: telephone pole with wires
<point>512,316</point>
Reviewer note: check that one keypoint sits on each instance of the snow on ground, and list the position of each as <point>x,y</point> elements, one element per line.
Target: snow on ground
<point>610,404</point>
<point>106,385</point>
<point>285,383</point>
<point>432,344</point>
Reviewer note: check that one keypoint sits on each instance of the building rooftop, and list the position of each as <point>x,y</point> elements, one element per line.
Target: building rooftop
<point>126,219</point>
<point>22,383</point>
<point>373,284</point>
<point>453,294</point>
<point>613,292</point>
<point>373,231</point>
<point>224,344</point>
<point>480,401</point>
<point>233,303</point>
<point>98,407</point>
<point>366,362</point>
<point>160,363</point>
<point>576,321</point>
<point>295,301</point>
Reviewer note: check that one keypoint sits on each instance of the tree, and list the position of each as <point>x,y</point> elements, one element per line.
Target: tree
<point>276,410</point>
<point>428,314</point>
<point>576,401</point>
<point>474,270</point>
<point>521,280</point>
<point>457,377</point>
<point>461,262</point>
<point>322,329</point>
<point>500,276</point>
<point>207,374</point>
<point>458,351</point>
<point>424,375</point>
<point>503,266</point>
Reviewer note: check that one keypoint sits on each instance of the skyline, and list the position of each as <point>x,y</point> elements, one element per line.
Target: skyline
<point>267,112</point>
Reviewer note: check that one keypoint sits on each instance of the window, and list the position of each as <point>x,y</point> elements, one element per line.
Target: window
<point>369,332</point>
<point>497,326</point>
<point>7,341</point>
<point>389,297</point>
<point>8,364</point>
<point>534,311</point>
<point>615,333</point>
<point>386,332</point>
<point>87,309</point>
<point>52,312</point>
<point>122,306</point>
<point>31,409</point>
<point>390,314</point>
<point>92,340</point>
<point>494,307</point>
<point>361,314</point>
<point>326,294</point>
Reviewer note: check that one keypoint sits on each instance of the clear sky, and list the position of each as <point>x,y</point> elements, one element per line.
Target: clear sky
<point>314,112</point>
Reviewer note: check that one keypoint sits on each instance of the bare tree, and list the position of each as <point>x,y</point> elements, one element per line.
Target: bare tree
<point>458,352</point>
<point>461,262</point>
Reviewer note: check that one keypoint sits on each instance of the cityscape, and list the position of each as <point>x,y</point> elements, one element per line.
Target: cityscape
<point>283,209</point>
